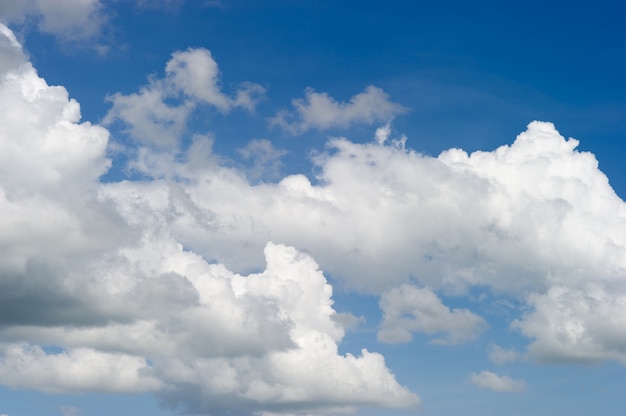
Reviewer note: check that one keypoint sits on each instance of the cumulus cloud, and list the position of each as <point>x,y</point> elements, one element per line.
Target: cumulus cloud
<point>191,78</point>
<point>95,298</point>
<point>320,111</point>
<point>524,219</point>
<point>68,19</point>
<point>584,324</point>
<point>494,382</point>
<point>162,273</point>
<point>23,365</point>
<point>407,309</point>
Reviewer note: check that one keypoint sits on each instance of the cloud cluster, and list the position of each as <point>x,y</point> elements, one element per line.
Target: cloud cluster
<point>536,220</point>
<point>192,78</point>
<point>97,298</point>
<point>320,111</point>
<point>495,382</point>
<point>171,284</point>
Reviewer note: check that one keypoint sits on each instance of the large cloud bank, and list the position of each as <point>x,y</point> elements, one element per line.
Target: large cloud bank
<point>94,296</point>
<point>155,284</point>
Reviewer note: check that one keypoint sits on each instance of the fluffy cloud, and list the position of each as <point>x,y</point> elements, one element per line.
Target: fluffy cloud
<point>191,78</point>
<point>320,111</point>
<point>492,381</point>
<point>584,324</point>
<point>268,341</point>
<point>408,309</point>
<point>68,19</point>
<point>97,297</point>
<point>162,274</point>
<point>23,365</point>
<point>536,220</point>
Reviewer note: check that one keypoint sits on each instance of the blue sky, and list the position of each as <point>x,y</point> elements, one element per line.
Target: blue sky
<point>290,207</point>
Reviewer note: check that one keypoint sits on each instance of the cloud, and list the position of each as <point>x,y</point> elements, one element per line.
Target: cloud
<point>407,309</point>
<point>68,19</point>
<point>266,159</point>
<point>94,298</point>
<point>522,220</point>
<point>23,365</point>
<point>501,356</point>
<point>582,324</point>
<point>176,277</point>
<point>322,112</point>
<point>191,78</point>
<point>494,382</point>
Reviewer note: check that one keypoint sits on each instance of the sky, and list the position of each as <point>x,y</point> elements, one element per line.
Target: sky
<point>263,208</point>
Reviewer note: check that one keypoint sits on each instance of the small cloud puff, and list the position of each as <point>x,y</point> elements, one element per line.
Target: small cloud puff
<point>322,112</point>
<point>491,381</point>
<point>191,78</point>
<point>501,356</point>
<point>407,309</point>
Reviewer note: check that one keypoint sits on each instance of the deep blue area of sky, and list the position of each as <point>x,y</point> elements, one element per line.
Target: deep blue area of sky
<point>472,73</point>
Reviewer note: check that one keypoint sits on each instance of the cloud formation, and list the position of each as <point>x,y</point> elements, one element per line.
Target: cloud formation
<point>407,309</point>
<point>322,112</point>
<point>161,281</point>
<point>94,298</point>
<point>535,220</point>
<point>191,78</point>
<point>495,382</point>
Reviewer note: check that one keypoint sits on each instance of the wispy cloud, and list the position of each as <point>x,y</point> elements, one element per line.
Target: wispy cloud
<point>321,112</point>
<point>495,382</point>
<point>501,356</point>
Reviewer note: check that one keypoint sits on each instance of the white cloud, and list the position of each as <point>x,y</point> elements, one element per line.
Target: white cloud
<point>119,271</point>
<point>266,159</point>
<point>501,356</point>
<point>11,55</point>
<point>264,341</point>
<point>320,111</point>
<point>23,365</point>
<point>192,78</point>
<point>149,119</point>
<point>407,309</point>
<point>121,306</point>
<point>69,19</point>
<point>524,220</point>
<point>492,381</point>
<point>577,324</point>
<point>194,72</point>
